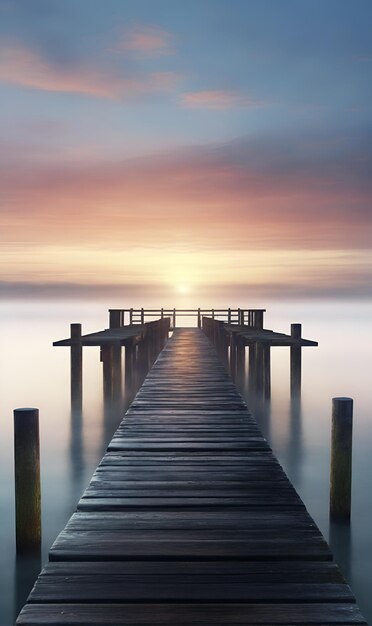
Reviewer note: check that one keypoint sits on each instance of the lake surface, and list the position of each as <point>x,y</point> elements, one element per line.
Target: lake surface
<point>33,373</point>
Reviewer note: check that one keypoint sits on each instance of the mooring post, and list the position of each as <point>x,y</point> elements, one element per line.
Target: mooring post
<point>295,358</point>
<point>267,371</point>
<point>27,480</point>
<point>341,458</point>
<point>76,367</point>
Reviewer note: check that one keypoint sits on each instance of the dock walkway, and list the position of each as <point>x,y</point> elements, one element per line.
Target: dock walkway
<point>189,518</point>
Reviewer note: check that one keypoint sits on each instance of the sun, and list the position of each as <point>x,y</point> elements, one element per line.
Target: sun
<point>183,289</point>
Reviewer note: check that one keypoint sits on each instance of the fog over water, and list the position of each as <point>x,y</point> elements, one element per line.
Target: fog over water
<point>33,373</point>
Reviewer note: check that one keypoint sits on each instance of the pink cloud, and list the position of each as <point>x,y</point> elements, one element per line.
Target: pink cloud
<point>147,41</point>
<point>219,100</point>
<point>27,68</point>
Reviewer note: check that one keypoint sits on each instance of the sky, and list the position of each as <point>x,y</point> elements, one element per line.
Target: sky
<point>201,147</point>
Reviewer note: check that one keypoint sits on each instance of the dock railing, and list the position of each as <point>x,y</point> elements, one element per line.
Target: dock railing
<point>253,318</point>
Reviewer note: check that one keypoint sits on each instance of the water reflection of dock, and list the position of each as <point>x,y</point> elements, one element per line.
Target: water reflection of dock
<point>189,517</point>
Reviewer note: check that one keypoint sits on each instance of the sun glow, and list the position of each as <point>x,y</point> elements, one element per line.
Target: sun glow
<point>183,289</point>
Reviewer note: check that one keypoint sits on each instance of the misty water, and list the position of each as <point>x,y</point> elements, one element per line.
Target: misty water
<point>33,373</point>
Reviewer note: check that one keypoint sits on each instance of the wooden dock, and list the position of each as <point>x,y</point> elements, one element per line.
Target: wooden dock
<point>189,518</point>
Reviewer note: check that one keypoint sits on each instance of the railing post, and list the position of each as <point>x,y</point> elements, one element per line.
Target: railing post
<point>130,317</point>
<point>76,368</point>
<point>229,315</point>
<point>27,480</point>
<point>341,457</point>
<point>199,318</point>
<point>259,320</point>
<point>115,318</point>
<point>295,358</point>
<point>174,318</point>
<point>142,316</point>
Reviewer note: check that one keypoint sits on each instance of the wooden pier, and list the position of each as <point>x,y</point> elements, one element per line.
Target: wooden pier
<point>189,518</point>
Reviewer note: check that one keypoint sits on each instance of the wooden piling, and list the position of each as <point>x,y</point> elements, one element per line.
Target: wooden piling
<point>295,358</point>
<point>117,371</point>
<point>259,370</point>
<point>107,361</point>
<point>240,363</point>
<point>130,351</point>
<point>341,459</point>
<point>267,371</point>
<point>76,367</point>
<point>27,480</point>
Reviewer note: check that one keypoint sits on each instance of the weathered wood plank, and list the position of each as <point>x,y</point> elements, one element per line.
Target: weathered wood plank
<point>189,614</point>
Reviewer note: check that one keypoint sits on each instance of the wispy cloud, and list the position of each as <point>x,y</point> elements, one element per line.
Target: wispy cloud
<point>218,100</point>
<point>25,67</point>
<point>146,40</point>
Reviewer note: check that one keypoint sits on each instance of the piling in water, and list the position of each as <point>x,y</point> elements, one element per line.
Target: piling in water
<point>27,480</point>
<point>341,458</point>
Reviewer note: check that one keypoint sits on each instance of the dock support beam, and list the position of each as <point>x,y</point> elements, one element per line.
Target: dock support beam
<point>76,366</point>
<point>27,480</point>
<point>295,362</point>
<point>341,457</point>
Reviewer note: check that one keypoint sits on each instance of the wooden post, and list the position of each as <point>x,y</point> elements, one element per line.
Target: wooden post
<point>229,315</point>
<point>252,368</point>
<point>115,318</point>
<point>267,371</point>
<point>341,456</point>
<point>27,480</point>
<point>129,365</point>
<point>76,368</point>
<point>259,318</point>
<point>199,318</point>
<point>232,356</point>
<point>240,362</point>
<point>259,386</point>
<point>142,316</point>
<point>130,317</point>
<point>117,371</point>
<point>174,318</point>
<point>295,357</point>
<point>107,359</point>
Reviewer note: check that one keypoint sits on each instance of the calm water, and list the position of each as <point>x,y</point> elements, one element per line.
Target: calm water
<point>33,373</point>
